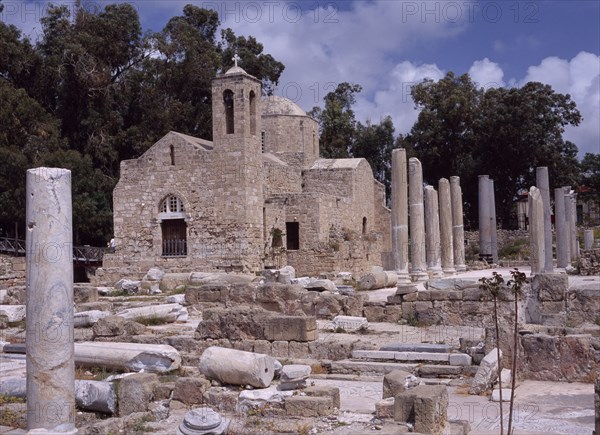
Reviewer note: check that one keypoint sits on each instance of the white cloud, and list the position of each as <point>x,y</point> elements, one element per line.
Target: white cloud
<point>486,74</point>
<point>395,100</point>
<point>580,78</point>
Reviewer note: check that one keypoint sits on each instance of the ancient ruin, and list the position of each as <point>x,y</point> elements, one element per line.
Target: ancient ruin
<point>257,288</point>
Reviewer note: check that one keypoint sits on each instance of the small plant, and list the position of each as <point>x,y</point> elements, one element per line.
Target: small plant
<point>303,429</point>
<point>493,285</point>
<point>5,398</point>
<point>597,321</point>
<point>140,424</point>
<point>10,418</point>
<point>516,286</point>
<point>411,320</point>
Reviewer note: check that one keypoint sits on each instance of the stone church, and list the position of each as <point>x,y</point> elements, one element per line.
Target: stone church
<point>257,196</point>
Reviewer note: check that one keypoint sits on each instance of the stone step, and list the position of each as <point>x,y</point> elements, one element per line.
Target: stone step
<point>368,367</point>
<point>443,371</point>
<point>458,359</point>
<point>416,347</point>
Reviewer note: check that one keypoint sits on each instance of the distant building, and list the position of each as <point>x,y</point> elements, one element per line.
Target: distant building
<point>257,196</point>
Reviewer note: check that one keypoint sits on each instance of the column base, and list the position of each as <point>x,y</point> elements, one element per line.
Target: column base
<point>435,272</point>
<point>403,278</point>
<point>461,267</point>
<point>449,271</point>
<point>419,275</point>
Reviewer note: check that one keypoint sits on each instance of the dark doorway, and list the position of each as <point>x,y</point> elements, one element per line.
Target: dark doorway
<point>174,239</point>
<point>292,230</point>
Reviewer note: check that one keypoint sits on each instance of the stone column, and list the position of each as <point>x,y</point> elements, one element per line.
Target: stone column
<point>543,184</point>
<point>418,270</point>
<point>571,202</point>
<point>597,405</point>
<point>432,233</point>
<point>458,232</point>
<point>485,229</point>
<point>536,231</point>
<point>446,241</point>
<point>493,225</point>
<point>400,215</point>
<point>560,223</point>
<point>49,335</point>
<point>567,192</point>
<point>588,239</point>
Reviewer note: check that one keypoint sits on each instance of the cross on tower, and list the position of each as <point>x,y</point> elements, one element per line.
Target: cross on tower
<point>235,59</point>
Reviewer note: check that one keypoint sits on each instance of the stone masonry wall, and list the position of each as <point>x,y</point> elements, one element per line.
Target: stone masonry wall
<point>589,262</point>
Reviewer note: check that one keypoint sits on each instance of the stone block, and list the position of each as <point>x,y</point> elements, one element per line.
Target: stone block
<point>262,346</point>
<point>350,323</point>
<point>308,406</point>
<point>486,374</point>
<point>424,296</point>
<point>190,390</point>
<point>206,293</point>
<point>385,408</point>
<point>421,356</point>
<point>416,347</point>
<point>406,289</point>
<point>298,349</point>
<point>332,392</point>
<point>394,383</point>
<point>373,355</point>
<point>460,359</point>
<point>550,286</point>
<point>426,406</point>
<point>280,349</point>
<point>411,297</point>
<point>505,395</point>
<point>393,313</point>
<point>83,294</point>
<point>291,328</point>
<point>221,399</point>
<point>374,314</point>
<point>136,392</point>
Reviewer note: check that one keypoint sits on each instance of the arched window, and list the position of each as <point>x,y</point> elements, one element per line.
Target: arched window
<point>173,227</point>
<point>364,225</point>
<point>172,155</point>
<point>172,204</point>
<point>229,115</point>
<point>252,113</point>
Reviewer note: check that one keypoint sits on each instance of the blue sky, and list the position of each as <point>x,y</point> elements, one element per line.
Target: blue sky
<point>386,46</point>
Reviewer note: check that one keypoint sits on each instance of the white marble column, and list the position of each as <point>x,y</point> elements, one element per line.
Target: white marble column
<point>432,233</point>
<point>543,184</point>
<point>49,335</point>
<point>588,239</point>
<point>446,241</point>
<point>418,269</point>
<point>485,229</point>
<point>493,225</point>
<point>560,223</point>
<point>458,232</point>
<point>400,215</point>
<point>571,209</point>
<point>536,231</point>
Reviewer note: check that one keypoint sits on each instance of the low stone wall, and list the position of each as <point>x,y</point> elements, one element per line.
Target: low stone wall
<point>286,299</point>
<point>12,267</point>
<point>589,262</point>
<point>571,358</point>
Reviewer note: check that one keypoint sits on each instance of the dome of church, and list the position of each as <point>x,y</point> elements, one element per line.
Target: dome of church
<point>235,70</point>
<point>275,105</point>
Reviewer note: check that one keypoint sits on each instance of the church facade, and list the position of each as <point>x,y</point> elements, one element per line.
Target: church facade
<point>257,196</point>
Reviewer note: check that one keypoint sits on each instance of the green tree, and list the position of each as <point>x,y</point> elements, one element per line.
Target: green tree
<point>337,121</point>
<point>505,133</point>
<point>375,143</point>
<point>110,91</point>
<point>590,174</point>
<point>28,134</point>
